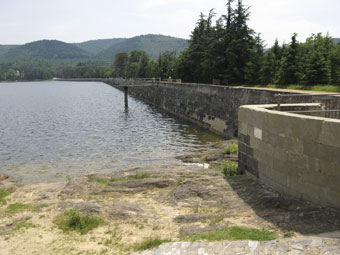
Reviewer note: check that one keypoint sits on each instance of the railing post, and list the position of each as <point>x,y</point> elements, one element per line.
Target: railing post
<point>126,97</point>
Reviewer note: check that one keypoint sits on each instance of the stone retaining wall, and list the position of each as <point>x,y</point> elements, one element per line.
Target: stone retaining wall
<point>296,154</point>
<point>210,106</point>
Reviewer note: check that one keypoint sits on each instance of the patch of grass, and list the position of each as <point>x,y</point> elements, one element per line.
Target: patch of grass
<point>98,180</point>
<point>18,207</point>
<point>234,233</point>
<point>24,224</point>
<point>231,148</point>
<point>228,168</point>
<point>136,176</point>
<point>149,243</point>
<point>73,220</point>
<point>321,88</point>
<point>3,194</point>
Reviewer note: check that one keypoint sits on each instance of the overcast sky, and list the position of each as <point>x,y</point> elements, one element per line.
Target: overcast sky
<point>23,21</point>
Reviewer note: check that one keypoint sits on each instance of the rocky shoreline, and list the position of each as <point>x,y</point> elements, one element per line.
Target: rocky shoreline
<point>168,202</point>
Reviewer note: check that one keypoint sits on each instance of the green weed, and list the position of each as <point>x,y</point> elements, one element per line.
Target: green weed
<point>234,233</point>
<point>231,148</point>
<point>73,220</point>
<point>228,168</point>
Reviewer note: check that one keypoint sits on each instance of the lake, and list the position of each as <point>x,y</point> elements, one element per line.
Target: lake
<point>50,131</point>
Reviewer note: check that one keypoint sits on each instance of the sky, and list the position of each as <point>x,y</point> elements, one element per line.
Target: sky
<point>23,21</point>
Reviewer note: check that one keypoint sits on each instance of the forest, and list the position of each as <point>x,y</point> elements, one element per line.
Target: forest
<point>222,50</point>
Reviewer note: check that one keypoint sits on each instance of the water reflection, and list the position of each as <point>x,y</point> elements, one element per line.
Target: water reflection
<point>50,130</point>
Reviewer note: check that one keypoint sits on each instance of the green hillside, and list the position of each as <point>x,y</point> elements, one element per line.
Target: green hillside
<point>5,48</point>
<point>96,46</point>
<point>153,45</point>
<point>46,49</point>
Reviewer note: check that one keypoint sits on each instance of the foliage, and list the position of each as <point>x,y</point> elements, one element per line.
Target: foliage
<point>4,193</point>
<point>73,220</point>
<point>231,148</point>
<point>149,243</point>
<point>234,233</point>
<point>229,168</point>
<point>120,63</point>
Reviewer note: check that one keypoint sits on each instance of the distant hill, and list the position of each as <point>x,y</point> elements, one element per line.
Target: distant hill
<point>96,46</point>
<point>103,49</point>
<point>5,48</point>
<point>336,40</point>
<point>152,44</point>
<point>46,49</point>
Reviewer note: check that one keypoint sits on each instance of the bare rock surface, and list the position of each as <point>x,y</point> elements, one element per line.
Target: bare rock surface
<point>166,202</point>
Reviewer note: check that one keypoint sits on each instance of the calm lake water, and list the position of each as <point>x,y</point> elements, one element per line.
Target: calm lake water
<point>52,130</point>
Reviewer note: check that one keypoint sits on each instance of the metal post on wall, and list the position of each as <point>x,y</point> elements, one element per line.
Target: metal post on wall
<point>126,97</point>
<point>278,101</point>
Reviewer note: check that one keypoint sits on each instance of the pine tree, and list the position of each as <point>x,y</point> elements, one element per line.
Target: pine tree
<point>290,71</point>
<point>253,67</point>
<point>268,70</point>
<point>240,46</point>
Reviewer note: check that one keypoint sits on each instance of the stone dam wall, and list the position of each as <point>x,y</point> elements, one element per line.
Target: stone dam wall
<point>296,150</point>
<point>210,106</point>
<point>296,154</point>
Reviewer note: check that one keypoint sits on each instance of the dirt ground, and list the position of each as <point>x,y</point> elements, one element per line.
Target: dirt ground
<point>171,202</point>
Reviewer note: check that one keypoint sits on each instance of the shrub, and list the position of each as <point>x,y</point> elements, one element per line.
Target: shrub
<point>73,220</point>
<point>231,148</point>
<point>229,168</point>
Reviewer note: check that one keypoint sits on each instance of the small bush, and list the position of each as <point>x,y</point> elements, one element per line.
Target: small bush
<point>229,168</point>
<point>149,243</point>
<point>3,194</point>
<point>73,220</point>
<point>234,233</point>
<point>232,148</point>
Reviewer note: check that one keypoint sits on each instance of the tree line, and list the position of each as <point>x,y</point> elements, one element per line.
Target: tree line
<point>233,53</point>
<point>227,51</point>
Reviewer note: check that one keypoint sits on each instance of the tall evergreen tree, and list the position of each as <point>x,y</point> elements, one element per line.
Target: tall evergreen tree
<point>253,67</point>
<point>290,71</point>
<point>240,46</point>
